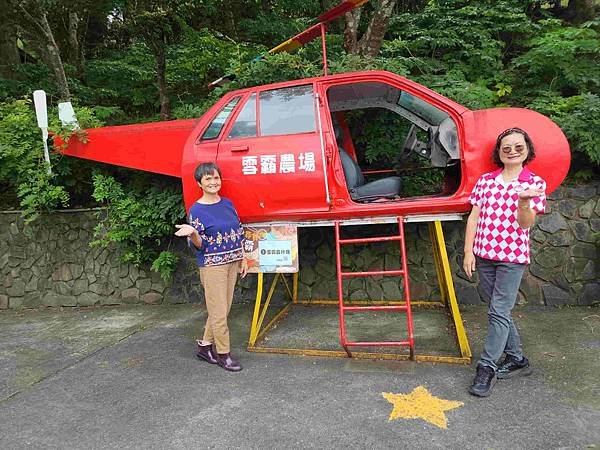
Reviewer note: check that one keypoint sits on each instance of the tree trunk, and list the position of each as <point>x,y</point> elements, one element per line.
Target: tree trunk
<point>72,37</point>
<point>370,43</point>
<point>161,69</point>
<point>352,19</point>
<point>9,54</point>
<point>51,54</point>
<point>581,10</point>
<point>75,50</point>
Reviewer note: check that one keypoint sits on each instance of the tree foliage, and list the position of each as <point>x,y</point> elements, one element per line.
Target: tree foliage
<point>559,59</point>
<point>31,18</point>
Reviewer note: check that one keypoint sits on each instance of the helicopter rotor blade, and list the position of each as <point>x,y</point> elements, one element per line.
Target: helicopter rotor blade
<point>314,31</point>
<point>301,38</point>
<point>342,8</point>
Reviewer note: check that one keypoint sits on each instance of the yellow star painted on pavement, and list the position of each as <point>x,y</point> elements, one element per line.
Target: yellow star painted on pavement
<point>420,404</point>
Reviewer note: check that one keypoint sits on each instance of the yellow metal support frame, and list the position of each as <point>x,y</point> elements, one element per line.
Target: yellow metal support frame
<point>449,302</point>
<point>260,311</point>
<point>447,286</point>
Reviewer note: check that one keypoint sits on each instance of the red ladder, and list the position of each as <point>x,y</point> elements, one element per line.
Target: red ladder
<point>402,272</point>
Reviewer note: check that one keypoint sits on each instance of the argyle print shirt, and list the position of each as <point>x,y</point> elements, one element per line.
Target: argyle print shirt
<point>499,236</point>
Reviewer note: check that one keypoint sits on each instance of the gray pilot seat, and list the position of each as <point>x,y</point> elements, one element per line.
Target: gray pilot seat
<point>359,190</point>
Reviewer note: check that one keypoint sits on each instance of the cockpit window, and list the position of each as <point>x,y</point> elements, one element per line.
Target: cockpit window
<point>287,111</point>
<point>424,110</point>
<point>245,123</point>
<point>215,127</point>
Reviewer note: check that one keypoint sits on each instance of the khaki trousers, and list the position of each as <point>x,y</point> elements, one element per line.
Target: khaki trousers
<point>219,283</point>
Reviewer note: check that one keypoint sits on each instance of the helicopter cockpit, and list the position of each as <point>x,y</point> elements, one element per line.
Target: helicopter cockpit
<point>442,143</point>
<point>391,133</point>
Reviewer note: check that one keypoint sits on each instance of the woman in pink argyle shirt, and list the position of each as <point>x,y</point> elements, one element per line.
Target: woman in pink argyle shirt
<point>505,203</point>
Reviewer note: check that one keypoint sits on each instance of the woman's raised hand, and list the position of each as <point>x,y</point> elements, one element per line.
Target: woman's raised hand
<point>530,193</point>
<point>184,230</point>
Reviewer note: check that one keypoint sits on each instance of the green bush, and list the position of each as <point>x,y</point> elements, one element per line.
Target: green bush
<point>276,68</point>
<point>23,170</point>
<point>579,118</point>
<point>137,222</point>
<point>165,264</point>
<point>38,194</point>
<point>21,146</point>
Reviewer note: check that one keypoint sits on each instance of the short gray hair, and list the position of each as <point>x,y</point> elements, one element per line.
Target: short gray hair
<point>205,169</point>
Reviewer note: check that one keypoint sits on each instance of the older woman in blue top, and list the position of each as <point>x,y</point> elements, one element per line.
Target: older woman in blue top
<point>215,231</point>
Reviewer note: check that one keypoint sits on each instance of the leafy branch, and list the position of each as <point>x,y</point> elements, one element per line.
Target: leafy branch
<point>137,222</point>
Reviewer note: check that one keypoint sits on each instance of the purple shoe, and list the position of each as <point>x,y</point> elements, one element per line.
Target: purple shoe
<point>206,353</point>
<point>228,363</point>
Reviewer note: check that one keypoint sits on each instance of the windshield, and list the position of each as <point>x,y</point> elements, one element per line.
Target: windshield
<point>424,110</point>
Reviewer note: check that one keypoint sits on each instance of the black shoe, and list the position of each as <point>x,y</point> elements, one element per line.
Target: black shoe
<point>510,367</point>
<point>485,378</point>
<point>228,363</point>
<point>206,353</point>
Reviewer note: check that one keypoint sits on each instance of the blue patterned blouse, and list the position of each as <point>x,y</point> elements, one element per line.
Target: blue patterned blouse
<point>221,233</point>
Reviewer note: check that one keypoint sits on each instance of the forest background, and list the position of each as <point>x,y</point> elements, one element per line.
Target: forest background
<point>132,61</point>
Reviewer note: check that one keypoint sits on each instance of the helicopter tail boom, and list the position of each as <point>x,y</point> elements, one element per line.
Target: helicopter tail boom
<point>153,147</point>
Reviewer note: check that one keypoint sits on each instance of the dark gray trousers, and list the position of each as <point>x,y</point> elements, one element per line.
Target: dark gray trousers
<point>500,282</point>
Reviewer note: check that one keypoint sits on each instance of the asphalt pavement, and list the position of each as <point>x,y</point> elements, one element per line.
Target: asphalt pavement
<point>127,377</point>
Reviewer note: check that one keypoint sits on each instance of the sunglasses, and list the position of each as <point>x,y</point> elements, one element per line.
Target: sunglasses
<point>519,148</point>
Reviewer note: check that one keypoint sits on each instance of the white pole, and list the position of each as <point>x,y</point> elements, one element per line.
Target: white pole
<point>41,112</point>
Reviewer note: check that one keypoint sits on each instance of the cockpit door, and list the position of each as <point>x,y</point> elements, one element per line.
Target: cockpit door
<point>271,155</point>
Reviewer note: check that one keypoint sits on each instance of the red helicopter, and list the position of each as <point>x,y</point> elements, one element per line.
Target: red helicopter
<point>287,150</point>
